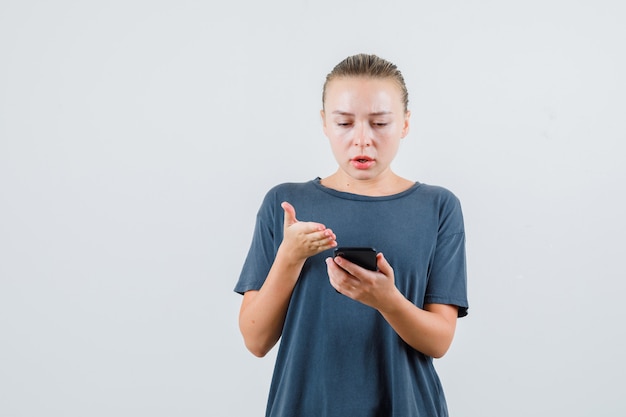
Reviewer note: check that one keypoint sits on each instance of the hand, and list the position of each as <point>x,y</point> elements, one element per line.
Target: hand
<point>304,239</point>
<point>373,288</point>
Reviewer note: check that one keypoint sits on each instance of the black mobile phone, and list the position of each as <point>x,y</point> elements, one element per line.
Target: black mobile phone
<point>362,256</point>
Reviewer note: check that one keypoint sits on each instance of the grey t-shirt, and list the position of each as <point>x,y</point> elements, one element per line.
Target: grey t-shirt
<point>338,357</point>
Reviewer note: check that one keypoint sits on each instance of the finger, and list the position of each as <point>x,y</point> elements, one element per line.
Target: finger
<point>290,213</point>
<point>383,265</point>
<point>315,231</point>
<point>320,245</point>
<point>325,244</point>
<point>330,234</point>
<point>340,279</point>
<point>330,271</point>
<point>345,264</point>
<point>324,236</point>
<point>333,271</point>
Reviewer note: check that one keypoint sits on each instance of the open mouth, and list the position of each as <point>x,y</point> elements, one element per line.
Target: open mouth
<point>362,162</point>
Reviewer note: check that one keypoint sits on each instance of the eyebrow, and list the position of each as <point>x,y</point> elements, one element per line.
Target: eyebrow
<point>345,113</point>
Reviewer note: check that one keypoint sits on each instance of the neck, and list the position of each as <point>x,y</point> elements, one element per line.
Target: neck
<point>382,185</point>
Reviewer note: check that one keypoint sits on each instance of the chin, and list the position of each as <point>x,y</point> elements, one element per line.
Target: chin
<point>363,176</point>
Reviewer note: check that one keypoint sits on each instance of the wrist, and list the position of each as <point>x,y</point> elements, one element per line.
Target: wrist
<point>288,258</point>
<point>393,303</point>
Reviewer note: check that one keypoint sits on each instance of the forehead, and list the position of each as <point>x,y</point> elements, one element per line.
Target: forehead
<point>374,93</point>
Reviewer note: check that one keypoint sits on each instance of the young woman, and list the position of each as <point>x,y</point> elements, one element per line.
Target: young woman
<point>356,342</point>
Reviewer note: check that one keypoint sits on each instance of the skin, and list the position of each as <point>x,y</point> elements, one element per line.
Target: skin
<point>364,120</point>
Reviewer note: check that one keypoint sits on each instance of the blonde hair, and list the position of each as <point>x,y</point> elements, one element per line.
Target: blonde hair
<point>369,66</point>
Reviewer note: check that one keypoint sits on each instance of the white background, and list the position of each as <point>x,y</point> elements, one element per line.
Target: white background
<point>137,139</point>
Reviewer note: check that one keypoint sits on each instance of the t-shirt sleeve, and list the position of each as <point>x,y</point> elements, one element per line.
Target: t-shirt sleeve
<point>262,249</point>
<point>447,281</point>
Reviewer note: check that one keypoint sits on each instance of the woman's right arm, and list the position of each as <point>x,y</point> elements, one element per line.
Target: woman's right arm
<point>263,312</point>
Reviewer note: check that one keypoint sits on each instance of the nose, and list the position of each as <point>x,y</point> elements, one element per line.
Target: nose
<point>362,136</point>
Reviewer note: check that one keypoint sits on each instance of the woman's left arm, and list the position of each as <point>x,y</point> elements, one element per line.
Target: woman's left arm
<point>429,330</point>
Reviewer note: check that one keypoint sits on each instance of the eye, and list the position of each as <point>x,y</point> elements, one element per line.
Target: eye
<point>344,124</point>
<point>380,124</point>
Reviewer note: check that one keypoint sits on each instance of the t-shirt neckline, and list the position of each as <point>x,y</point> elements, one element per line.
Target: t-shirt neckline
<point>351,196</point>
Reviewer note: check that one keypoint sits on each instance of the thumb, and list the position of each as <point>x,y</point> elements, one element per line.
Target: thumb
<point>383,265</point>
<point>290,213</point>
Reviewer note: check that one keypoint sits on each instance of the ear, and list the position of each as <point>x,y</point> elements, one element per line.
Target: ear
<point>405,128</point>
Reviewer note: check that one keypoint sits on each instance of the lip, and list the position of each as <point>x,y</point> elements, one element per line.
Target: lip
<point>362,162</point>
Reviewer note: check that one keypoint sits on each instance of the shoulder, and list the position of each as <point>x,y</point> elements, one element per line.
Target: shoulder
<point>287,191</point>
<point>291,187</point>
<point>446,206</point>
<point>436,190</point>
<point>440,195</point>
